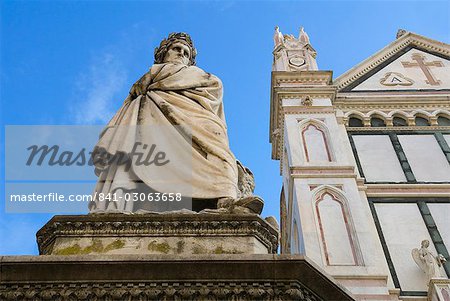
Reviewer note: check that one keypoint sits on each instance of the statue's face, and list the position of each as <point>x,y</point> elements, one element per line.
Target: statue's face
<point>178,53</point>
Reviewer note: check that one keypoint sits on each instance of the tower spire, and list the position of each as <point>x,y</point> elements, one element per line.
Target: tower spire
<point>278,37</point>
<point>303,36</point>
<point>293,54</point>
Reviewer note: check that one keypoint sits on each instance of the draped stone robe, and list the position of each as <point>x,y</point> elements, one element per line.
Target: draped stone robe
<point>182,113</point>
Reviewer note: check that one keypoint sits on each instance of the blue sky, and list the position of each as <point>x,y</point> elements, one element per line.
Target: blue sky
<point>73,62</point>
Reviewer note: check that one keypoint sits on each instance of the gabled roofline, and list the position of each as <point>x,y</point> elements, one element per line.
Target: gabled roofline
<point>407,40</point>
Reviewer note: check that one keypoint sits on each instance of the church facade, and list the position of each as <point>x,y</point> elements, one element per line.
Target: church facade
<point>365,165</point>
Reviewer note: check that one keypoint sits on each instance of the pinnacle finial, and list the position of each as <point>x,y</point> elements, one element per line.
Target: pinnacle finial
<point>278,36</point>
<point>303,36</point>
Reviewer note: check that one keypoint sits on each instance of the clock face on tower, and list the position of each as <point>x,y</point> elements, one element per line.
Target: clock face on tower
<point>296,61</point>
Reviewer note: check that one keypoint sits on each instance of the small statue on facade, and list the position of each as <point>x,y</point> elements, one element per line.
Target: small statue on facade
<point>303,36</point>
<point>400,33</point>
<point>431,265</point>
<point>278,37</point>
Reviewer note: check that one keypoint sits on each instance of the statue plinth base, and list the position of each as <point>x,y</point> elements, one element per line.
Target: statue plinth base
<point>232,277</point>
<point>439,289</point>
<point>171,233</point>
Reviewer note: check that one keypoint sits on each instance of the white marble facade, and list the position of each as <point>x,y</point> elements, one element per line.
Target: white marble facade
<point>330,213</point>
<point>378,158</point>
<point>427,160</point>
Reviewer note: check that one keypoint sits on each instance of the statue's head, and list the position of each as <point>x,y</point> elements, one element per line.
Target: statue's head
<point>425,243</point>
<point>177,48</point>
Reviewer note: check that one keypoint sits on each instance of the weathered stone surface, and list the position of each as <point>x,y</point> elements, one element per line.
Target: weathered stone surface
<point>165,277</point>
<point>179,106</point>
<point>157,234</point>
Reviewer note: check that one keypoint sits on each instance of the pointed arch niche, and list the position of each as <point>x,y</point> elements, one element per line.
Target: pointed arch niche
<point>316,141</point>
<point>296,248</point>
<point>336,230</point>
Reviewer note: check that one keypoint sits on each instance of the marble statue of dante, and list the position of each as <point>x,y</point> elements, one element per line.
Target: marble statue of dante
<point>176,94</point>
<point>430,264</point>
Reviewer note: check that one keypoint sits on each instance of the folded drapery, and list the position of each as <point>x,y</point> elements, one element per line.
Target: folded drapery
<point>181,113</point>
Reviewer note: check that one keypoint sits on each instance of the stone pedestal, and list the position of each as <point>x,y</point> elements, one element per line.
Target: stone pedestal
<point>232,277</point>
<point>173,233</point>
<point>439,289</point>
<point>163,257</point>
<point>172,256</point>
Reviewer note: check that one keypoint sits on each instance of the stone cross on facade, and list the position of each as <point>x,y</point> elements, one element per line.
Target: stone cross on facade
<point>424,66</point>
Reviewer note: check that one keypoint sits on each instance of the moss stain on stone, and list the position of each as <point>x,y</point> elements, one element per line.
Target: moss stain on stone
<point>117,244</point>
<point>221,250</point>
<point>72,250</point>
<point>159,247</point>
<point>197,249</point>
<point>95,247</point>
<point>180,246</point>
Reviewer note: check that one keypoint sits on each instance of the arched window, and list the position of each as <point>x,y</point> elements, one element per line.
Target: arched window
<point>315,144</point>
<point>398,121</point>
<point>377,122</point>
<point>420,121</point>
<point>335,230</point>
<point>355,122</point>
<point>443,121</point>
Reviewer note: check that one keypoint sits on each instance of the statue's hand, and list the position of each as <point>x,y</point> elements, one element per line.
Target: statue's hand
<point>135,90</point>
<point>140,87</point>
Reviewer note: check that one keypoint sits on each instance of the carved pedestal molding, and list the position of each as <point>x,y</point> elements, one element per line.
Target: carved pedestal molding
<point>165,277</point>
<point>157,234</point>
<point>159,291</point>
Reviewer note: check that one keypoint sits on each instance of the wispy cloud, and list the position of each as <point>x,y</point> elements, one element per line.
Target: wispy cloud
<point>97,88</point>
<point>103,84</point>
